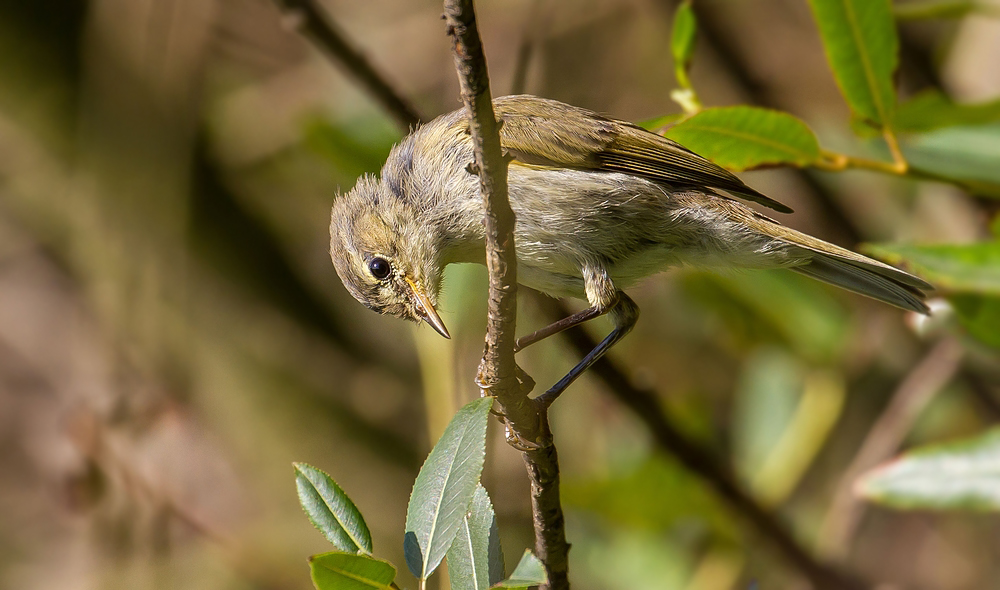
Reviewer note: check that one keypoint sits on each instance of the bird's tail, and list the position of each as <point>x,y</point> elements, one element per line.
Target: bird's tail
<point>857,273</point>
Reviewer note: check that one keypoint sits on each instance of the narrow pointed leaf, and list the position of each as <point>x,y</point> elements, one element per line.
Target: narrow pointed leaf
<point>529,572</point>
<point>932,110</point>
<point>331,511</point>
<point>962,475</point>
<point>682,41</point>
<point>742,137</point>
<point>444,488</point>
<point>970,268</point>
<point>932,9</point>
<point>475,560</point>
<point>962,155</point>
<point>862,46</point>
<point>346,571</point>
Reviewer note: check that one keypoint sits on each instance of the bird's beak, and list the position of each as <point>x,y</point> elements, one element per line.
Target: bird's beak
<point>426,309</point>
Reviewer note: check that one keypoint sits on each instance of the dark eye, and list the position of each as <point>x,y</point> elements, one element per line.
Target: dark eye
<point>379,267</point>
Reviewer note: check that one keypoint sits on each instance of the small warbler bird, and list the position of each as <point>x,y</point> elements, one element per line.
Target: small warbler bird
<point>599,204</point>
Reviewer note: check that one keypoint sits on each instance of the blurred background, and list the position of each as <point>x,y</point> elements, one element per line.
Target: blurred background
<point>173,335</point>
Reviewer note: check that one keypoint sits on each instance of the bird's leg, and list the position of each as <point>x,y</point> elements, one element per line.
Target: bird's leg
<point>560,325</point>
<point>624,313</point>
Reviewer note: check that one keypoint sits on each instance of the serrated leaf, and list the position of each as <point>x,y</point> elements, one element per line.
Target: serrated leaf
<point>971,268</point>
<point>346,571</point>
<point>932,110</point>
<point>966,156</point>
<point>682,41</point>
<point>862,46</point>
<point>444,488</point>
<point>331,511</point>
<point>529,572</point>
<point>963,475</point>
<point>475,559</point>
<point>743,137</point>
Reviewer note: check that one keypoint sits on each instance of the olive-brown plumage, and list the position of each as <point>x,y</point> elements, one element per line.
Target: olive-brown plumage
<point>599,204</point>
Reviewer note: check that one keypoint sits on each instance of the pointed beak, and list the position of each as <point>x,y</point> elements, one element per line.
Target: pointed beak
<point>426,309</point>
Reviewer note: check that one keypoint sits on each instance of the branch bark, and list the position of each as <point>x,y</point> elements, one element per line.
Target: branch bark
<point>526,420</point>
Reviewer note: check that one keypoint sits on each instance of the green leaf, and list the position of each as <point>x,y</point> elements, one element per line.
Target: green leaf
<point>931,110</point>
<point>475,559</point>
<point>529,572</point>
<point>963,475</point>
<point>744,137</point>
<point>930,9</point>
<point>444,488</point>
<point>966,156</point>
<point>955,267</point>
<point>980,316</point>
<point>661,122</point>
<point>346,571</point>
<point>331,511</point>
<point>682,42</point>
<point>861,44</point>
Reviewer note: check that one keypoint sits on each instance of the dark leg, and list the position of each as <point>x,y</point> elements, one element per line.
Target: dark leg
<point>560,325</point>
<point>624,313</point>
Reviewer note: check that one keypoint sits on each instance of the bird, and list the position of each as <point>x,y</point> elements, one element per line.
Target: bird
<point>599,204</point>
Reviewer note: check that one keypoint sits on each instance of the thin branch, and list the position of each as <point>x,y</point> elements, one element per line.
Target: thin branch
<point>307,17</point>
<point>916,391</point>
<point>527,421</point>
<point>701,461</point>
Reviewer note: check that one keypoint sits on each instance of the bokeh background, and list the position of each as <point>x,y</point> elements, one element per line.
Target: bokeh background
<point>173,335</point>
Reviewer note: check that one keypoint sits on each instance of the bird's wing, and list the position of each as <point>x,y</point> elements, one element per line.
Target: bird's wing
<point>548,133</point>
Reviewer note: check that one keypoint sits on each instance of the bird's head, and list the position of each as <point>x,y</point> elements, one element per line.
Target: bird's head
<point>387,258</point>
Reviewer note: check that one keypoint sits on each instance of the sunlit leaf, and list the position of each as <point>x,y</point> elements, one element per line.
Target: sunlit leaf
<point>744,137</point>
<point>529,572</point>
<point>475,559</point>
<point>966,156</point>
<point>346,571</point>
<point>931,110</point>
<point>661,122</point>
<point>331,511</point>
<point>862,46</point>
<point>953,267</point>
<point>963,475</point>
<point>444,488</point>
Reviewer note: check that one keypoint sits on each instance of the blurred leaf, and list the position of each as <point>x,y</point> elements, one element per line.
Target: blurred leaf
<point>980,316</point>
<point>529,572</point>
<point>636,499</point>
<point>930,9</point>
<point>620,558</point>
<point>778,304</point>
<point>475,559</point>
<point>345,571</point>
<point>860,40</point>
<point>931,110</point>
<point>966,156</point>
<point>682,41</point>
<point>354,146</point>
<point>331,511</point>
<point>444,488</point>
<point>744,137</point>
<point>954,267</point>
<point>963,475</point>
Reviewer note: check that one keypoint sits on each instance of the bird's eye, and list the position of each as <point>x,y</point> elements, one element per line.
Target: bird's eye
<point>379,267</point>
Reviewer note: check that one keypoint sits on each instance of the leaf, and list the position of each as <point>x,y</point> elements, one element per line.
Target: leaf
<point>932,110</point>
<point>955,267</point>
<point>529,572</point>
<point>346,571</point>
<point>659,123</point>
<point>331,511</point>
<point>963,475</point>
<point>682,42</point>
<point>475,559</point>
<point>930,9</point>
<point>980,316</point>
<point>966,156</point>
<point>861,44</point>
<point>444,488</point>
<point>744,137</point>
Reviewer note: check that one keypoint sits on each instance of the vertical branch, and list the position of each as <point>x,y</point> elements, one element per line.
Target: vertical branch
<point>526,421</point>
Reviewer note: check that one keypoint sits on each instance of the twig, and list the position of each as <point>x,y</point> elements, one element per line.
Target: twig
<point>527,422</point>
<point>306,16</point>
<point>701,461</point>
<point>917,390</point>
